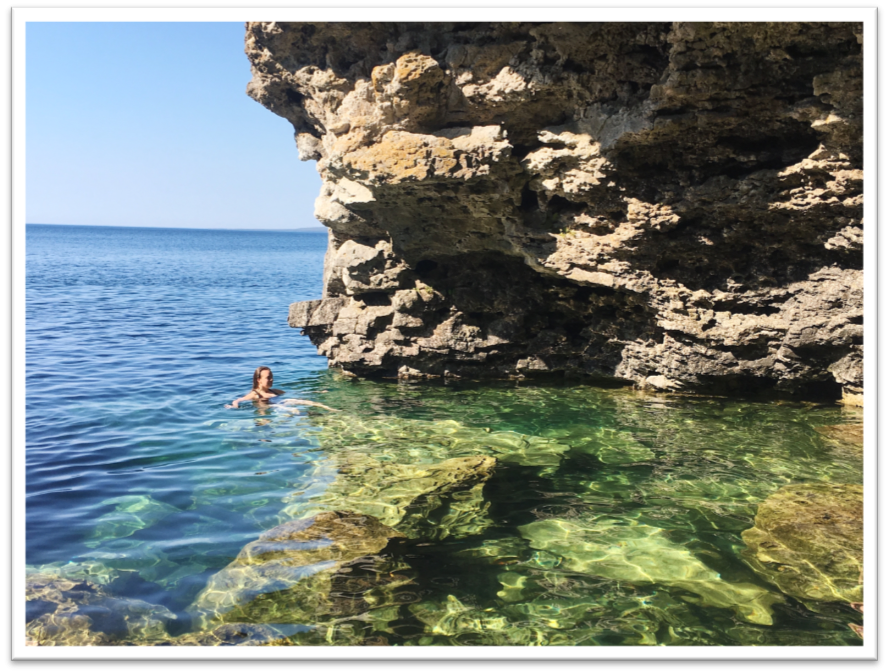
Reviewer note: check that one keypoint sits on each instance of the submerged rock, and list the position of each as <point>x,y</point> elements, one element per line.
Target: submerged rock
<point>612,446</point>
<point>409,441</point>
<point>131,514</point>
<point>452,617</point>
<point>65,612</point>
<point>463,514</point>
<point>230,634</point>
<point>807,540</point>
<point>553,619</point>
<point>847,437</point>
<point>644,555</point>
<point>400,470</point>
<point>289,575</point>
<point>91,570</point>
<point>392,492</point>
<point>366,593</point>
<point>288,554</point>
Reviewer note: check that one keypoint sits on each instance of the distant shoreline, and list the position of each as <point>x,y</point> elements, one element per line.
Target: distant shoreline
<point>307,229</point>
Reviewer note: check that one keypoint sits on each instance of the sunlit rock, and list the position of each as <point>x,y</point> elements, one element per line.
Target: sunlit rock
<point>643,554</point>
<point>546,621</point>
<point>611,446</point>
<point>453,617</point>
<point>807,540</point>
<point>289,553</point>
<point>391,492</point>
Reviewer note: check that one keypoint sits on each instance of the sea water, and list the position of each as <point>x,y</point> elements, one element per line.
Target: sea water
<point>609,518</point>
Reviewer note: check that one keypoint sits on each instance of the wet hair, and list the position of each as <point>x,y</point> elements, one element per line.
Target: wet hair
<point>257,373</point>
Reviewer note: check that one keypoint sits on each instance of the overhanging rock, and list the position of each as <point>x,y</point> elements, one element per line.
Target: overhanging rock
<point>678,205</point>
<point>314,313</point>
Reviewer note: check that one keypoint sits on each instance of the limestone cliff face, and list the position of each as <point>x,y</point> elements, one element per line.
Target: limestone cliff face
<point>677,205</point>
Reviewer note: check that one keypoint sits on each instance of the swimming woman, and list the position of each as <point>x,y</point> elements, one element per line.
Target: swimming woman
<point>263,392</point>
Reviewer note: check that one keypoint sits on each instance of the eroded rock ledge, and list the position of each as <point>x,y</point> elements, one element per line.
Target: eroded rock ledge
<point>676,205</point>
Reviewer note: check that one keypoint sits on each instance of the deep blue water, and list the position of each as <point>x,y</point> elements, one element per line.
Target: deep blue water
<point>136,337</point>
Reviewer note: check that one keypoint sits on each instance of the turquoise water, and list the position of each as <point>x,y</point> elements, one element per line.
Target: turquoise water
<point>501,513</point>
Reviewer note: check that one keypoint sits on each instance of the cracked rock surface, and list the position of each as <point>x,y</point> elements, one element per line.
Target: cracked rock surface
<point>677,205</point>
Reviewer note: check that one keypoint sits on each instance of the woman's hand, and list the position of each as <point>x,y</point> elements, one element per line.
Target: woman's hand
<point>247,397</point>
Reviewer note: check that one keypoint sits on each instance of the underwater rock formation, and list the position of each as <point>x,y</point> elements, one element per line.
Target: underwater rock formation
<point>807,540</point>
<point>847,437</point>
<point>677,205</point>
<point>391,492</point>
<point>403,440</point>
<point>228,634</point>
<point>287,555</point>
<point>66,612</point>
<point>289,574</point>
<point>131,514</point>
<point>644,554</point>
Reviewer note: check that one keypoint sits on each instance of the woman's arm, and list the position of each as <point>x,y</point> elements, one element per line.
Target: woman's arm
<point>247,397</point>
<point>305,402</point>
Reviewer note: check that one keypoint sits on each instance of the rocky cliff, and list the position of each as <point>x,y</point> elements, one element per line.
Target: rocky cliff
<point>678,205</point>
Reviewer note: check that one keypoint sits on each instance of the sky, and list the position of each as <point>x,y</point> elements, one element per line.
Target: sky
<point>149,124</point>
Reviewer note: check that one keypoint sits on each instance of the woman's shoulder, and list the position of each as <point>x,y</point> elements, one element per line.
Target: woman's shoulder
<point>278,392</point>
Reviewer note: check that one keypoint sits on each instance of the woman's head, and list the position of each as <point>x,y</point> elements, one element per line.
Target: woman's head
<point>262,378</point>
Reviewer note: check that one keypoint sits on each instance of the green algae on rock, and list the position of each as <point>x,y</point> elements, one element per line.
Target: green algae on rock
<point>390,492</point>
<point>562,620</point>
<point>452,618</point>
<point>807,540</point>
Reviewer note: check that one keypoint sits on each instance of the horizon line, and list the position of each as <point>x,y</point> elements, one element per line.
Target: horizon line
<point>305,229</point>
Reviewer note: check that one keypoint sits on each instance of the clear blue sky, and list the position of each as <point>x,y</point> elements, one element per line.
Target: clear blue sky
<point>149,124</point>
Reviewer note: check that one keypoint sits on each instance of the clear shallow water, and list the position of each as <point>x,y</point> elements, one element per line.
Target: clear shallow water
<point>608,518</point>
